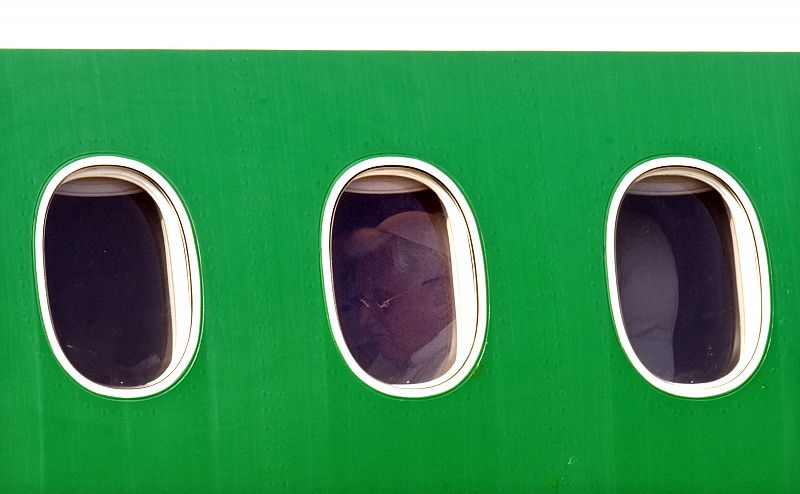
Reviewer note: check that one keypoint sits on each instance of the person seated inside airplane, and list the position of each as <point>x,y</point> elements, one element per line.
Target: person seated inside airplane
<point>402,327</point>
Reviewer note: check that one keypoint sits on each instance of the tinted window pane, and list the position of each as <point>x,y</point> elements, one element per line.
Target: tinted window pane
<point>393,284</point>
<point>107,285</point>
<point>676,281</point>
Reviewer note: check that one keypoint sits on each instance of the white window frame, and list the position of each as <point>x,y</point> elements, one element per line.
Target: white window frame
<point>751,273</point>
<point>182,268</point>
<point>467,271</point>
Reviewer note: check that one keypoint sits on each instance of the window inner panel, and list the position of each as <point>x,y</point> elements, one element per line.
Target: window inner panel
<point>392,280</point>
<point>677,285</point>
<point>107,282</point>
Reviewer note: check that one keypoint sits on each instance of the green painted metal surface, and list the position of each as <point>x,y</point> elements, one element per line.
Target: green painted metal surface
<point>253,141</point>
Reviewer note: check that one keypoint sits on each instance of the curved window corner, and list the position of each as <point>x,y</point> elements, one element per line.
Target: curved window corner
<point>117,277</point>
<point>404,278</point>
<point>688,277</point>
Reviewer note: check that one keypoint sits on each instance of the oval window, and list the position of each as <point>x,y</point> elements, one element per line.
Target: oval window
<point>404,277</point>
<point>117,274</point>
<point>688,277</point>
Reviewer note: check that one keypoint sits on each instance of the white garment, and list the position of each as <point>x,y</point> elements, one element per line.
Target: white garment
<point>426,364</point>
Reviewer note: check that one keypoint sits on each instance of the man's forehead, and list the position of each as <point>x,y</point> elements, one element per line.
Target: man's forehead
<point>377,268</point>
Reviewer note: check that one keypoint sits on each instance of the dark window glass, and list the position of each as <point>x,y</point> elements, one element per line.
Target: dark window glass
<point>392,281</point>
<point>107,286</point>
<point>676,279</point>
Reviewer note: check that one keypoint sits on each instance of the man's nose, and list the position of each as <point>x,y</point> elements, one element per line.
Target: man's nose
<point>366,316</point>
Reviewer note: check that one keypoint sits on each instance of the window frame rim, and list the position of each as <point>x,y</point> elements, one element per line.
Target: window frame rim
<point>184,352</point>
<point>455,197</point>
<point>742,213</point>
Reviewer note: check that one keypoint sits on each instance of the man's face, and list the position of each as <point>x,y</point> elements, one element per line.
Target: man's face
<point>417,304</point>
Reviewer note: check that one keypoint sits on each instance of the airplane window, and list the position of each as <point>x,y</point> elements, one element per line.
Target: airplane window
<point>395,289</point>
<point>106,274</point>
<point>116,280</point>
<point>689,279</point>
<point>677,290</point>
<point>405,322</point>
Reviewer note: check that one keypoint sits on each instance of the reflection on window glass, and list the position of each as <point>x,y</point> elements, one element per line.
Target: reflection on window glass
<point>392,280</point>
<point>676,279</point>
<point>107,286</point>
